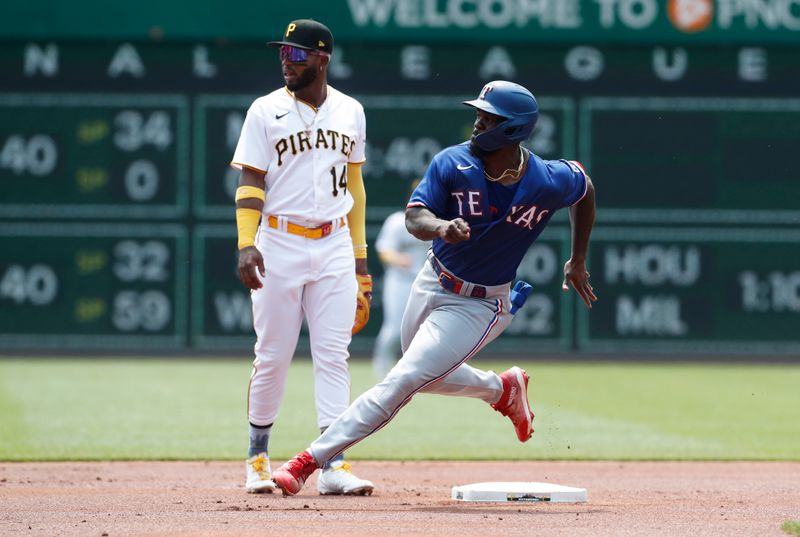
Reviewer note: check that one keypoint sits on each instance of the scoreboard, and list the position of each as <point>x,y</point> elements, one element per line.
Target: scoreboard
<point>117,215</point>
<point>93,286</point>
<point>700,160</point>
<point>109,156</point>
<point>709,290</point>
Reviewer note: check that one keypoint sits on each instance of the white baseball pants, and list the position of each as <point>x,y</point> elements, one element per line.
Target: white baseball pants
<point>312,279</point>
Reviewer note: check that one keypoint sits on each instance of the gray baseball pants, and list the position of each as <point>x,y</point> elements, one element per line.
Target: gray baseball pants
<point>441,330</point>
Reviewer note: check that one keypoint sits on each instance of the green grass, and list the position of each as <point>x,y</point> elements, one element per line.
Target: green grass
<point>792,527</point>
<point>67,409</point>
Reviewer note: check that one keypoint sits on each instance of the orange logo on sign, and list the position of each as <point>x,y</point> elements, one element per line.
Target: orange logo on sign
<point>690,15</point>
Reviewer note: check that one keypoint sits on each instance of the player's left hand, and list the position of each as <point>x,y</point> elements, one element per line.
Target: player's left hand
<point>575,274</point>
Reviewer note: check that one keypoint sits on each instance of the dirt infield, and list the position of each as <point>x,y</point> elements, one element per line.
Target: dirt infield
<point>412,498</point>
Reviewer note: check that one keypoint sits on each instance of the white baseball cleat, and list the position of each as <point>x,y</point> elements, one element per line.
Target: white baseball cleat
<point>259,475</point>
<point>339,479</point>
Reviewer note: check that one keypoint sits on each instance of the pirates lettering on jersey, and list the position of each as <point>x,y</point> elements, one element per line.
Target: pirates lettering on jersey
<point>526,216</point>
<point>301,141</point>
<point>469,200</point>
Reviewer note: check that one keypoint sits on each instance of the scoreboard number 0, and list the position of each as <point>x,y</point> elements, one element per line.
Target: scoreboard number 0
<point>141,180</point>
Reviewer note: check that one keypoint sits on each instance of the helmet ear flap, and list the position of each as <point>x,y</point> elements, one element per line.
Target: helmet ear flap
<point>514,128</point>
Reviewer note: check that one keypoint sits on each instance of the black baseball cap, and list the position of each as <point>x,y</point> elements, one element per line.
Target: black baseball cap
<point>306,34</point>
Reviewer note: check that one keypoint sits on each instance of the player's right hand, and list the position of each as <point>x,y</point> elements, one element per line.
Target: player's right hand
<point>250,260</point>
<point>455,231</point>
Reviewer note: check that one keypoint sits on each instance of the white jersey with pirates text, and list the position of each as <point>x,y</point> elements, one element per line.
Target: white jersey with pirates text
<point>304,153</point>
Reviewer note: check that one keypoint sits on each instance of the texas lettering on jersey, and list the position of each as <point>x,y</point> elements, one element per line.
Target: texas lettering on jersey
<point>504,221</point>
<point>323,139</point>
<point>525,216</point>
<point>468,202</point>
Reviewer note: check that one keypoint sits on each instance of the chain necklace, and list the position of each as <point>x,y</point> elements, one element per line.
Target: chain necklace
<point>307,126</point>
<point>510,172</point>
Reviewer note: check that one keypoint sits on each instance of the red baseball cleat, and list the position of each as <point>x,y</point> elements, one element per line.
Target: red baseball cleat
<point>291,476</point>
<point>514,402</point>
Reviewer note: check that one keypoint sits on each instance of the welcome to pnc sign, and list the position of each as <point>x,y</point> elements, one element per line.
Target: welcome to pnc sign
<point>546,19</point>
<point>421,21</point>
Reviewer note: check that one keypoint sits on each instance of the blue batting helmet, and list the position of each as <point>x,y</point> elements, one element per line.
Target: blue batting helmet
<point>511,101</point>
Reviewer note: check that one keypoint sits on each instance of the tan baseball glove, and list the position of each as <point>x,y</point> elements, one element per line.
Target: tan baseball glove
<point>364,299</point>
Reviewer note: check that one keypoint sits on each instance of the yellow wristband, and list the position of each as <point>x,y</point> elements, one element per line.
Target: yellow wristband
<point>247,224</point>
<point>360,251</point>
<point>244,192</point>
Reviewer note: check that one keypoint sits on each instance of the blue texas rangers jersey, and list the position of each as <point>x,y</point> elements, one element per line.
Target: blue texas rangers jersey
<point>504,220</point>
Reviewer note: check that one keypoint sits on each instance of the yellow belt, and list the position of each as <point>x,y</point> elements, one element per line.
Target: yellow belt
<point>308,232</point>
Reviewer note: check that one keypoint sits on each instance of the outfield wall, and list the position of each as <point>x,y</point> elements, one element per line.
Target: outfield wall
<point>127,241</point>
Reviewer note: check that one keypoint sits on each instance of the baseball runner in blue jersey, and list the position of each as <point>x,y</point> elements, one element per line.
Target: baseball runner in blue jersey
<point>482,203</point>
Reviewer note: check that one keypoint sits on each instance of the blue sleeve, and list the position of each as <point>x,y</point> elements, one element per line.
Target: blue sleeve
<point>433,192</point>
<point>569,179</point>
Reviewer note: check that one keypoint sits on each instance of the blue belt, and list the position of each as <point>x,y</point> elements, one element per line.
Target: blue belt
<point>454,284</point>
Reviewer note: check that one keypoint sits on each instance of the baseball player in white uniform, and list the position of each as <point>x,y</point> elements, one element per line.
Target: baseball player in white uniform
<point>300,210</point>
<point>402,256</point>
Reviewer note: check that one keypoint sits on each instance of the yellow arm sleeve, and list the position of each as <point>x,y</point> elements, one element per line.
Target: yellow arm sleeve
<point>356,218</point>
<point>250,197</point>
<point>247,221</point>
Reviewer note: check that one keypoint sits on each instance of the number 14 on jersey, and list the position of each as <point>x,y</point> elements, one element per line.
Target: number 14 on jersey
<point>340,184</point>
